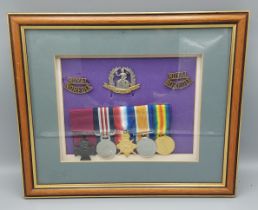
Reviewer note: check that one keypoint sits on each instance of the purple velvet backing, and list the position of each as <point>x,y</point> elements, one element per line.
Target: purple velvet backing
<point>151,74</point>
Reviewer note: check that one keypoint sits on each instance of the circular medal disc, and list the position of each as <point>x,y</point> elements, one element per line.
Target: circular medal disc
<point>106,149</point>
<point>146,147</point>
<point>165,145</point>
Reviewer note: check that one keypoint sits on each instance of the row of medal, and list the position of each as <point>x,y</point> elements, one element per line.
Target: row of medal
<point>126,130</point>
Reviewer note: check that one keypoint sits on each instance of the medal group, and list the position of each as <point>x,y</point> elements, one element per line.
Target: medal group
<point>126,130</point>
<point>122,130</point>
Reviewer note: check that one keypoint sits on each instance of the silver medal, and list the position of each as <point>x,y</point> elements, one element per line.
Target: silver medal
<point>146,147</point>
<point>106,149</point>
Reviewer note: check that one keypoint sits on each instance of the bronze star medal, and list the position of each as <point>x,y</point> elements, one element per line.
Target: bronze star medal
<point>126,146</point>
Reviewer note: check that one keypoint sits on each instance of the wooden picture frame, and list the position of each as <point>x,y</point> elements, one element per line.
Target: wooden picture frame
<point>20,23</point>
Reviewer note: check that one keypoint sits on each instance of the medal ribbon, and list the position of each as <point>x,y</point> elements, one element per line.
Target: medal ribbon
<point>162,117</point>
<point>151,109</point>
<point>142,120</point>
<point>82,123</point>
<point>105,120</point>
<point>131,124</point>
<point>104,123</point>
<point>96,122</point>
<point>120,121</point>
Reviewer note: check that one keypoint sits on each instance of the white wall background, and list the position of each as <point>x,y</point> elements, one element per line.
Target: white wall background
<point>10,177</point>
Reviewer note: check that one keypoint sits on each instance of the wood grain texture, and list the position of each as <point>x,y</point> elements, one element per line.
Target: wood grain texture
<point>22,111</point>
<point>240,19</point>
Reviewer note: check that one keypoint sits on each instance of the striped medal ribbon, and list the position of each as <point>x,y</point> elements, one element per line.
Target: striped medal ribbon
<point>124,121</point>
<point>162,118</point>
<point>141,121</point>
<point>131,122</point>
<point>106,148</point>
<point>146,147</point>
<point>124,124</point>
<point>104,122</point>
<point>120,122</point>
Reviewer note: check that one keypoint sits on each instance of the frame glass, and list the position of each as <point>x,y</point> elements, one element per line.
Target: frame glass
<point>104,98</point>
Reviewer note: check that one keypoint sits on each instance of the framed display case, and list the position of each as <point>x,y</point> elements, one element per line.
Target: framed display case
<point>114,105</point>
